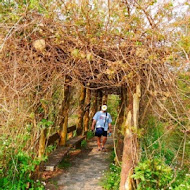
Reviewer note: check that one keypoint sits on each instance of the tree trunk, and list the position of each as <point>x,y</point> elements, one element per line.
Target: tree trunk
<point>104,99</point>
<point>130,150</point>
<point>100,95</point>
<point>64,123</point>
<point>120,136</point>
<point>81,111</point>
<point>42,143</point>
<point>86,115</point>
<point>93,107</point>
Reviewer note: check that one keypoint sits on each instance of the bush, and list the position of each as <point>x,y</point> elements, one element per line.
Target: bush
<point>65,163</point>
<point>83,144</point>
<point>160,146</point>
<point>153,174</point>
<point>184,185</point>
<point>113,104</point>
<point>111,179</point>
<point>158,158</point>
<point>17,174</point>
<point>182,180</point>
<point>89,135</point>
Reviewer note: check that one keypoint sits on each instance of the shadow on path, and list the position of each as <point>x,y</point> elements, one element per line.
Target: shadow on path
<point>87,169</point>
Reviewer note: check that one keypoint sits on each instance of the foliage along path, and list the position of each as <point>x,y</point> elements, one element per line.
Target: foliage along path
<point>86,170</point>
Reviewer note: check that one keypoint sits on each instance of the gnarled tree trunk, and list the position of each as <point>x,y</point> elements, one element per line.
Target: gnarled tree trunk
<point>104,99</point>
<point>87,108</point>
<point>42,143</point>
<point>130,150</point>
<point>64,123</point>
<point>93,106</point>
<point>120,136</point>
<point>81,111</point>
<point>100,96</point>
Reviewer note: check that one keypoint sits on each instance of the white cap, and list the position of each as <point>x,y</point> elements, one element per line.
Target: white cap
<point>104,107</point>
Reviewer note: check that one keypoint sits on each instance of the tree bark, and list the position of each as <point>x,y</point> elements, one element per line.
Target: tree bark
<point>105,99</point>
<point>93,107</point>
<point>120,136</point>
<point>130,150</point>
<point>64,123</point>
<point>42,143</point>
<point>81,111</point>
<point>100,95</point>
<point>86,115</point>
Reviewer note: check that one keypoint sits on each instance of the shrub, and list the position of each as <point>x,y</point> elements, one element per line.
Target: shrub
<point>113,103</point>
<point>65,163</point>
<point>111,179</point>
<point>182,180</point>
<point>89,135</point>
<point>184,185</point>
<point>84,144</point>
<point>159,148</point>
<point>17,174</point>
<point>153,174</point>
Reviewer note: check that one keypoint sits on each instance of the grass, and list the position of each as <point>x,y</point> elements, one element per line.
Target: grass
<point>111,178</point>
<point>84,144</point>
<point>65,163</point>
<point>89,135</point>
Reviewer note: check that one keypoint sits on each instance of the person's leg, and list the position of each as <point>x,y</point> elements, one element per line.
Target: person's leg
<point>99,142</point>
<point>104,141</point>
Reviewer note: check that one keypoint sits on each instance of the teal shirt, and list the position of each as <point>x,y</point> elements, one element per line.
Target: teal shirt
<point>102,120</point>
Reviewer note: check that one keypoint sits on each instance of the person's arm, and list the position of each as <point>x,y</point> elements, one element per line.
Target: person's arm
<point>93,124</point>
<point>110,127</point>
<point>95,118</point>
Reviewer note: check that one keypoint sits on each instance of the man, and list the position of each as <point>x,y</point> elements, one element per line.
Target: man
<point>102,120</point>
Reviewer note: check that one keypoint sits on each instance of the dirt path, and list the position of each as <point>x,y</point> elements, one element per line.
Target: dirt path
<point>87,169</point>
